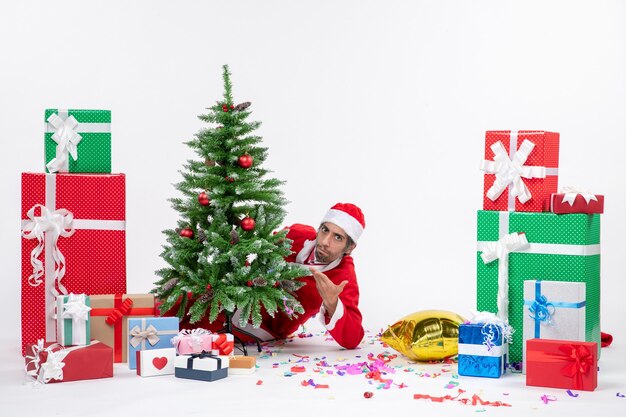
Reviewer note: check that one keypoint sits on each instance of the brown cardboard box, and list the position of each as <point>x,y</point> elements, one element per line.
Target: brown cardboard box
<point>241,365</point>
<point>109,318</point>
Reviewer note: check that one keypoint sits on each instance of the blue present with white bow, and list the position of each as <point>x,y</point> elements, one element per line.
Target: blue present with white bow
<point>553,310</point>
<point>483,347</point>
<point>149,333</point>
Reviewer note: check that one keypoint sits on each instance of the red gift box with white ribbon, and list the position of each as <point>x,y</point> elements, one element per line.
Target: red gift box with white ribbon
<point>521,170</point>
<point>51,362</point>
<point>576,200</point>
<point>73,240</point>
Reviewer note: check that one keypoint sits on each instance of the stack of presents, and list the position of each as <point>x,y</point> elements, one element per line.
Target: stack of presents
<point>538,269</point>
<point>75,309</point>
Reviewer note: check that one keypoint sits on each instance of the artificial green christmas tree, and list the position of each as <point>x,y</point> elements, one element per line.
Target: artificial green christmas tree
<point>228,251</point>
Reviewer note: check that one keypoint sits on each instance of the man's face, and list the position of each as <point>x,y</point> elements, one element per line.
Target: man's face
<point>331,243</point>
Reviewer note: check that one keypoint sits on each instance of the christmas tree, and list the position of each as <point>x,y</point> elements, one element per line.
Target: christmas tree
<point>227,253</point>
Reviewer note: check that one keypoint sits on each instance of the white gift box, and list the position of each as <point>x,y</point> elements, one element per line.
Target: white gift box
<point>553,310</point>
<point>73,317</point>
<point>203,367</point>
<point>156,362</point>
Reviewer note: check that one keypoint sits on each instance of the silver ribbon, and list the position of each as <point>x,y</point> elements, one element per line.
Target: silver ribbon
<point>500,250</point>
<point>76,309</point>
<point>511,170</point>
<point>139,336</point>
<point>67,140</point>
<point>571,192</point>
<point>53,224</point>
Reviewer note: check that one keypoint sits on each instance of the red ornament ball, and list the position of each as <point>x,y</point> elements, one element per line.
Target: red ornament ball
<point>368,394</point>
<point>203,199</point>
<point>224,107</point>
<point>187,232</point>
<point>232,106</point>
<point>245,161</point>
<point>249,283</point>
<point>208,287</point>
<point>229,179</point>
<point>247,223</point>
<point>276,284</point>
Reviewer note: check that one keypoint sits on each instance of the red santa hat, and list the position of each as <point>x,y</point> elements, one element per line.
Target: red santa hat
<point>347,216</point>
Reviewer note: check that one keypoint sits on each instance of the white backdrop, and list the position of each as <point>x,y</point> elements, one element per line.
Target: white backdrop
<point>380,103</point>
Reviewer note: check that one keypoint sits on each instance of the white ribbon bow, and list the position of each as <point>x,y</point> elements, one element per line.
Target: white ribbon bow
<point>52,368</point>
<point>489,319</point>
<point>56,223</point>
<point>139,335</point>
<point>75,308</point>
<point>511,171</point>
<point>571,192</point>
<point>500,250</point>
<point>67,140</point>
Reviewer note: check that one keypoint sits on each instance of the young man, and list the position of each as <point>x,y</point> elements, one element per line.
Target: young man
<point>332,288</point>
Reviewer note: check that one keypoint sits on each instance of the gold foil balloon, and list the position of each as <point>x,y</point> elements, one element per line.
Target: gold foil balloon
<point>426,335</point>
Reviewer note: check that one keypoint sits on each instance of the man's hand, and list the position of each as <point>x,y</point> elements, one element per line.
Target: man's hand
<point>328,291</point>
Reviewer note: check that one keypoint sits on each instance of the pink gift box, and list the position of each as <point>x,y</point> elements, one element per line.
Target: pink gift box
<point>188,342</point>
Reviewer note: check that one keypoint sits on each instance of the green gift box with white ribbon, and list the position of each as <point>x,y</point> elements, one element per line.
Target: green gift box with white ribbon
<point>77,140</point>
<point>518,246</point>
<point>73,327</point>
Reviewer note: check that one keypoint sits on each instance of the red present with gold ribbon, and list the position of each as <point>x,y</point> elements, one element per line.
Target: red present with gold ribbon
<point>521,170</point>
<point>109,319</point>
<point>74,241</point>
<point>562,364</point>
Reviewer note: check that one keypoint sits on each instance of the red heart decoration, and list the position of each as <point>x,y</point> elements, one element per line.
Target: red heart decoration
<point>159,363</point>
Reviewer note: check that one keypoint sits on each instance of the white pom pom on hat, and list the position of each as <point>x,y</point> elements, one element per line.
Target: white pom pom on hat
<point>347,216</point>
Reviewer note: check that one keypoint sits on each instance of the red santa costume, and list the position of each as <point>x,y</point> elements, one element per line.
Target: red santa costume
<point>345,325</point>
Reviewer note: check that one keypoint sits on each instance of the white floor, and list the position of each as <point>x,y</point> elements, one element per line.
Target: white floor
<point>270,392</point>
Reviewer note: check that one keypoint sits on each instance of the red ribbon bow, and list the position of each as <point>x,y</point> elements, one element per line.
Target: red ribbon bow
<point>119,312</point>
<point>579,362</point>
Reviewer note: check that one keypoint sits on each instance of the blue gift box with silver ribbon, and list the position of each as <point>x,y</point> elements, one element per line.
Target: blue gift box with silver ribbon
<point>553,310</point>
<point>483,350</point>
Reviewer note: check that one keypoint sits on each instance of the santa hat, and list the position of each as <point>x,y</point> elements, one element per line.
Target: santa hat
<point>347,216</point>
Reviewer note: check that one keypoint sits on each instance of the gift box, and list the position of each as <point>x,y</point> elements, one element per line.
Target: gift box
<point>241,365</point>
<point>575,201</point>
<point>74,240</point>
<point>224,343</point>
<point>188,341</point>
<point>201,366</point>
<point>51,362</point>
<point>521,170</point>
<point>149,333</point>
<point>562,364</point>
<point>553,310</point>
<point>155,362</point>
<point>482,350</point>
<point>559,248</point>
<point>73,327</point>
<point>77,140</point>
<point>109,319</point>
